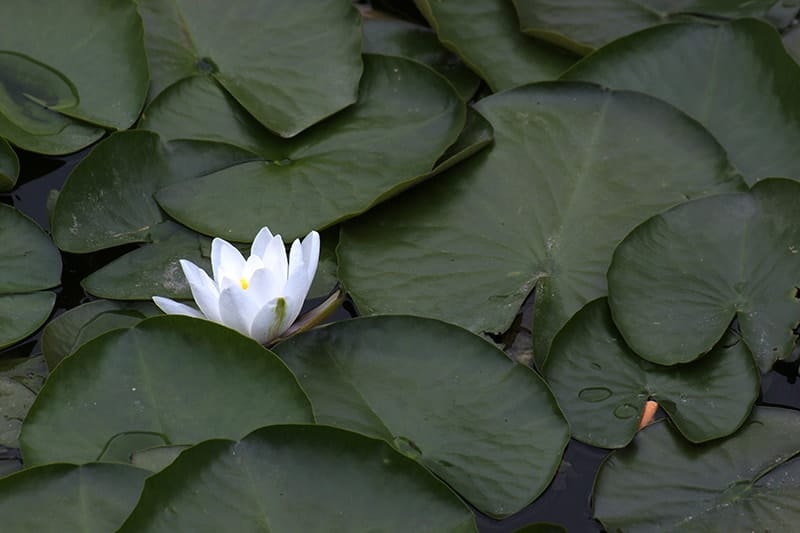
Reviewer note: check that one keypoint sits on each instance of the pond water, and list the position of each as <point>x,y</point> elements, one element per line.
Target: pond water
<point>566,502</point>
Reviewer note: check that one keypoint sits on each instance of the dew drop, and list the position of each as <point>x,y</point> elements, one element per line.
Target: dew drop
<point>594,394</point>
<point>626,410</point>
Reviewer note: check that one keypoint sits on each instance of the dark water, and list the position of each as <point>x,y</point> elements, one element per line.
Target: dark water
<point>566,502</point>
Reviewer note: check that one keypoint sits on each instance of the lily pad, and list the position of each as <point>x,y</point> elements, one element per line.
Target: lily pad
<point>405,119</point>
<point>603,386</point>
<point>736,79</point>
<point>15,400</point>
<point>748,481</point>
<point>488,427</point>
<point>272,478</point>
<point>285,79</point>
<point>9,166</point>
<point>28,263</point>
<point>156,459</point>
<point>583,25</point>
<point>68,331</point>
<point>175,379</point>
<point>108,198</point>
<point>399,38</point>
<point>572,170</point>
<point>678,280</point>
<point>791,40</point>
<point>112,86</point>
<point>64,498</point>
<point>485,34</point>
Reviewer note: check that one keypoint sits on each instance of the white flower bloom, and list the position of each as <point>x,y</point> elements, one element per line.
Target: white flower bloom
<point>259,297</point>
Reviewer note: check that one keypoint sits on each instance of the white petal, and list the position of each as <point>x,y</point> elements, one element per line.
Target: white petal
<point>252,264</point>
<point>266,325</point>
<point>274,257</point>
<point>226,261</point>
<point>237,308</point>
<point>265,286</point>
<point>261,242</point>
<point>296,261</point>
<point>311,253</point>
<point>295,294</point>
<point>204,290</point>
<point>171,307</point>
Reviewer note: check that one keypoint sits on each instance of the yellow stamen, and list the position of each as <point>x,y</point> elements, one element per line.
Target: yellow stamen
<point>244,283</point>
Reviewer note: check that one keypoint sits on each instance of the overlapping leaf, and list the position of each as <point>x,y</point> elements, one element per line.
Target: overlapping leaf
<point>290,63</point>
<point>169,380</point>
<point>9,166</point>
<point>572,170</point>
<point>405,119</point>
<point>485,34</point>
<point>748,481</point>
<point>297,478</point>
<point>29,263</point>
<point>603,386</point>
<point>736,79</point>
<point>679,279</point>
<point>488,427</point>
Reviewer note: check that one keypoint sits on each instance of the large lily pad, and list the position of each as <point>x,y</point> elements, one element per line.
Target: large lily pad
<point>736,79</point>
<point>28,263</point>
<point>9,166</point>
<point>485,34</point>
<point>679,279</point>
<point>583,25</point>
<point>97,46</point>
<point>262,53</point>
<point>488,427</point>
<point>64,498</point>
<point>747,482</point>
<point>297,478</point>
<point>405,119</point>
<point>399,38</point>
<point>603,386</point>
<point>572,170</point>
<point>108,198</point>
<point>168,380</point>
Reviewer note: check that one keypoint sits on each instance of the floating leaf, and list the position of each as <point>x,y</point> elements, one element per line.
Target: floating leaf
<point>9,166</point>
<point>111,87</point>
<point>108,198</point>
<point>169,380</point>
<point>399,38</point>
<point>748,481</point>
<point>272,478</point>
<point>405,119</point>
<point>583,25</point>
<point>441,395</point>
<point>736,79</point>
<point>156,459</point>
<point>64,498</point>
<point>572,170</point>
<point>15,400</point>
<point>283,78</point>
<point>485,34</point>
<point>603,386</point>
<point>28,262</point>
<point>678,280</point>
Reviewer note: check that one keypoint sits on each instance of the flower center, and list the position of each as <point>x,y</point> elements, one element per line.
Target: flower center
<point>243,282</point>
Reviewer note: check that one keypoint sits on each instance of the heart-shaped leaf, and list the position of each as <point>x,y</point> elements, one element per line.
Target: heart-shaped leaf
<point>736,79</point>
<point>485,34</point>
<point>583,25</point>
<point>9,166</point>
<point>572,170</point>
<point>747,482</point>
<point>603,386</point>
<point>262,53</point>
<point>28,263</point>
<point>64,498</point>
<point>272,478</point>
<point>108,198</point>
<point>169,380</point>
<point>678,280</point>
<point>405,119</point>
<point>443,396</point>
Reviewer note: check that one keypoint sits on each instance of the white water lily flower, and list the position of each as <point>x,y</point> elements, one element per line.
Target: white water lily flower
<point>259,297</point>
